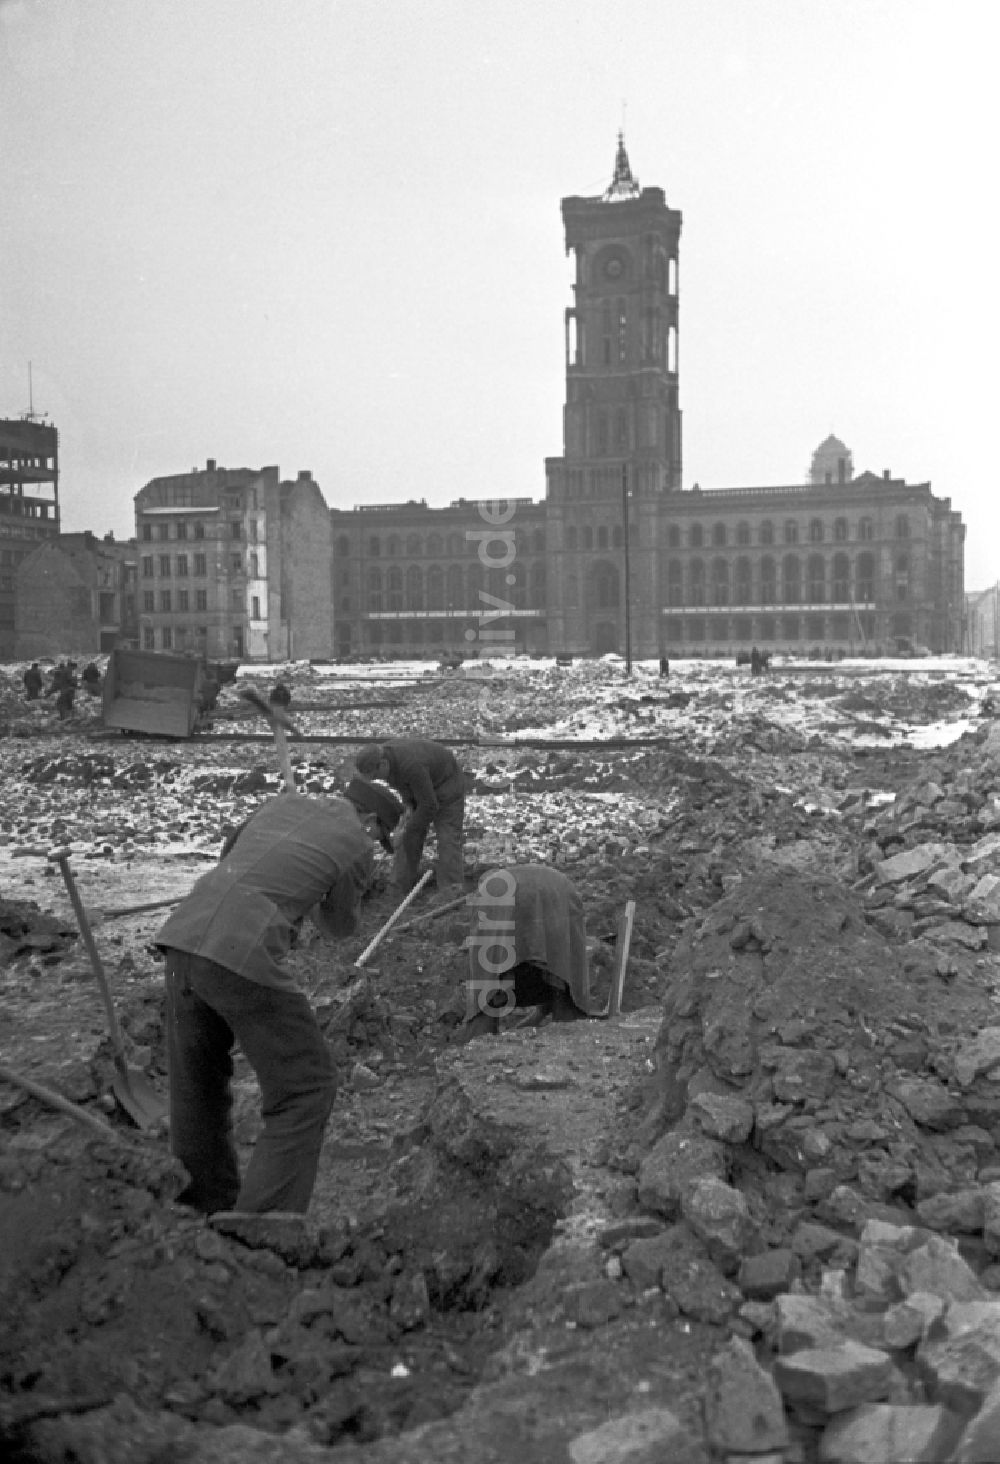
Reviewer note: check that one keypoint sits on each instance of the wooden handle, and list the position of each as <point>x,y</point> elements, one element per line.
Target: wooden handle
<point>624,942</point>
<point>61,858</point>
<point>394,917</point>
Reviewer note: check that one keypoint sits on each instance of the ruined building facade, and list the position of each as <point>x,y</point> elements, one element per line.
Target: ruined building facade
<point>234,564</point>
<point>76,595</point>
<point>29,508</point>
<point>619,556</point>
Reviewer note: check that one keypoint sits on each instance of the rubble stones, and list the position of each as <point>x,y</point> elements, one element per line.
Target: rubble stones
<point>743,1408</point>
<point>881,1433</point>
<point>834,1377</point>
<point>673,1166</point>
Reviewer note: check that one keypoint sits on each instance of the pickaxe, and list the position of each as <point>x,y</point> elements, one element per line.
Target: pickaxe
<point>280,723</point>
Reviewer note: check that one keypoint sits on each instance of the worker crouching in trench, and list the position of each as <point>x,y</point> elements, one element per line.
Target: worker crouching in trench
<point>527,948</point>
<point>224,948</point>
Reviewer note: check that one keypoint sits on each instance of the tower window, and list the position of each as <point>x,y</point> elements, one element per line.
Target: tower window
<point>622,332</point>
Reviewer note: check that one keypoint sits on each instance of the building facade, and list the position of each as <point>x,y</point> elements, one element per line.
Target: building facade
<point>619,557</point>
<point>234,563</point>
<point>76,596</point>
<point>416,581</point>
<point>29,507</point>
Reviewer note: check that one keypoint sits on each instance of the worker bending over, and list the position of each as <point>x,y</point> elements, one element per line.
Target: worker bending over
<point>432,785</point>
<point>225,983</point>
<point>527,948</point>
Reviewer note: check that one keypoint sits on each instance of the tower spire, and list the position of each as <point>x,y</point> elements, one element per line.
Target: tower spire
<point>623,185</point>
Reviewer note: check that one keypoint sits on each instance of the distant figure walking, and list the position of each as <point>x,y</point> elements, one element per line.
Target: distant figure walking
<point>32,682</point>
<point>91,679</point>
<point>664,666</point>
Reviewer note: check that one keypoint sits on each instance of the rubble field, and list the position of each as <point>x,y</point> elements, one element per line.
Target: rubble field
<point>755,1217</point>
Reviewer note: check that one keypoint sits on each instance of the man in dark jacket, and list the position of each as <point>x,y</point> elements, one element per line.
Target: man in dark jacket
<point>432,786</point>
<point>32,682</point>
<point>224,946</point>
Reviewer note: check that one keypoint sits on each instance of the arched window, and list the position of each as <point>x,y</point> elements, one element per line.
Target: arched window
<point>674,536</point>
<point>602,536</point>
<point>675,583</point>
<point>841,578</point>
<point>744,582</point>
<point>435,544</point>
<point>902,568</point>
<point>768,581</point>
<point>719,536</point>
<point>413,544</point>
<point>374,548</point>
<point>791,531</point>
<point>696,537</point>
<point>767,532</point>
<point>840,530</point>
<point>588,537</point>
<point>375,591</point>
<point>435,588</point>
<point>815,531</point>
<point>392,545</point>
<point>866,578</point>
<point>343,546</point>
<point>866,529</point>
<point>474,583</point>
<point>456,545</point>
<point>394,585</point>
<point>816,579</point>
<point>414,588</point>
<point>742,533</point>
<point>571,536</point>
<point>791,580</point>
<point>902,526</point>
<point>536,585</point>
<point>618,536</point>
<point>720,582</point>
<point>696,582</point>
<point>604,582</point>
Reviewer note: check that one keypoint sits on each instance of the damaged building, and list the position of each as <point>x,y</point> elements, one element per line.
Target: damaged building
<point>234,563</point>
<point>29,507</point>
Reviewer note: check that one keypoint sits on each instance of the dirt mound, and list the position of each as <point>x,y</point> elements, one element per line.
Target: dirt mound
<point>840,1047</point>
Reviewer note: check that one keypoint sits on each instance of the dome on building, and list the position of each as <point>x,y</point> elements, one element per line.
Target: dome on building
<point>831,462</point>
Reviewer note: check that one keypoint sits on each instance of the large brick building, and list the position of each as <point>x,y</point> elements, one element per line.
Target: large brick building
<point>620,557</point>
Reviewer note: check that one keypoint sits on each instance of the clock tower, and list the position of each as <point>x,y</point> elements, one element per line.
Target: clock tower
<point>621,420</point>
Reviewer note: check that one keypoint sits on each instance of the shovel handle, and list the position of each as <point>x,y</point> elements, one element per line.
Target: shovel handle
<point>394,917</point>
<point>61,857</point>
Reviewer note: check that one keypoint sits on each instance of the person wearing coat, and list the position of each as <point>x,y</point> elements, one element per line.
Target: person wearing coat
<point>431,784</point>
<point>226,982</point>
<point>527,948</point>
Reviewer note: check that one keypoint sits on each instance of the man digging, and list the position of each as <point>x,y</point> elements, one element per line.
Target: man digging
<point>432,785</point>
<point>225,983</point>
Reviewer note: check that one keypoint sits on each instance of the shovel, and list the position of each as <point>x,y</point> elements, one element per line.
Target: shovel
<point>132,1088</point>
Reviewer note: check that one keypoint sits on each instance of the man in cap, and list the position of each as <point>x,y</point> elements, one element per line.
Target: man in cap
<point>432,785</point>
<point>224,948</point>
<point>370,800</point>
<point>527,948</point>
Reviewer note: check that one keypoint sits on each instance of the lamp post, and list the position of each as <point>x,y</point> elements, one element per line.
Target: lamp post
<point>628,574</point>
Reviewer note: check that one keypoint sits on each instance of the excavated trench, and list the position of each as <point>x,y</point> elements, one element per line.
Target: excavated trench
<point>348,1328</point>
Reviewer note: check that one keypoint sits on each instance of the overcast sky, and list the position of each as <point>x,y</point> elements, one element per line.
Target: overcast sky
<point>327,235</point>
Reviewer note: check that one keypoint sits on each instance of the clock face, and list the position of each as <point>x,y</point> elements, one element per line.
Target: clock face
<point>613,268</point>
